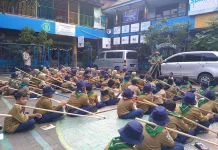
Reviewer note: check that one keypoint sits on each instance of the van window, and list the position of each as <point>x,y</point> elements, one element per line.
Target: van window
<point>209,57</point>
<point>131,55</point>
<point>192,57</point>
<point>114,55</point>
<point>178,58</point>
<point>101,56</point>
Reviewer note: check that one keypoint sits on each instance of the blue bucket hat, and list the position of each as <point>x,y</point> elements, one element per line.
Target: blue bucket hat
<point>189,99</point>
<point>106,76</point>
<point>80,85</point>
<point>178,82</point>
<point>128,93</point>
<point>132,133</point>
<point>213,83</point>
<point>103,72</point>
<point>74,71</point>
<point>204,84</point>
<point>48,90</point>
<point>86,76</point>
<point>127,73</point>
<point>67,77</point>
<point>159,116</point>
<point>88,85</point>
<point>87,71</point>
<point>147,88</point>
<point>210,95</point>
<point>127,77</point>
<point>14,75</point>
<point>124,69</point>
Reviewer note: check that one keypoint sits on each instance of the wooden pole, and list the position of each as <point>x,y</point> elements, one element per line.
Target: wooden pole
<point>5,115</point>
<point>172,130</point>
<point>106,110</point>
<point>58,112</point>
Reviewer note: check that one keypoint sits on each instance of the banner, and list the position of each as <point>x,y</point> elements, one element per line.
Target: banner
<point>131,15</point>
<point>99,19</point>
<point>117,30</point>
<point>134,39</point>
<point>125,40</point>
<point>125,29</point>
<point>106,43</point>
<point>202,6</point>
<point>64,29</point>
<point>145,25</point>
<point>116,41</point>
<point>135,27</point>
<point>81,41</point>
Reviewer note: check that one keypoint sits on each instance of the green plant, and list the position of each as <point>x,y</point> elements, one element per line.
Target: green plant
<point>27,36</point>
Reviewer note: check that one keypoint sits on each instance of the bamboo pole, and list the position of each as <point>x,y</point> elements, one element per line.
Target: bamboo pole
<point>106,110</point>
<point>5,115</point>
<point>172,130</point>
<point>58,112</point>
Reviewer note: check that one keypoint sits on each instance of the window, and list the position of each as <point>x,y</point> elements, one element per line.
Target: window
<point>101,56</point>
<point>114,55</point>
<point>192,57</point>
<point>209,57</point>
<point>168,11</point>
<point>131,55</point>
<point>178,58</point>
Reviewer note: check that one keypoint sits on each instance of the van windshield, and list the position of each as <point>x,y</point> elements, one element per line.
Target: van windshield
<point>131,55</point>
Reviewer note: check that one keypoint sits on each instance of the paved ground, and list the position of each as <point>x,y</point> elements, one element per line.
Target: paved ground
<point>72,133</point>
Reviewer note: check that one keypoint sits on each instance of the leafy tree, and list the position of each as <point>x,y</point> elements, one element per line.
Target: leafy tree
<point>42,38</point>
<point>207,39</point>
<point>27,36</point>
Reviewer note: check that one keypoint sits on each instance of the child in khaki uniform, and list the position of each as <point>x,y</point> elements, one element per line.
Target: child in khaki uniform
<point>157,137</point>
<point>159,91</point>
<point>130,135</point>
<point>12,83</point>
<point>177,123</point>
<point>171,92</point>
<point>67,84</point>
<point>209,105</point>
<point>134,88</point>
<point>80,99</point>
<point>20,121</point>
<point>46,103</point>
<point>141,81</point>
<point>126,82</point>
<point>188,110</point>
<point>126,108</point>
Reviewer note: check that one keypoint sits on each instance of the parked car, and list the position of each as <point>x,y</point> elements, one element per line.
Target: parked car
<point>117,59</point>
<point>197,65</point>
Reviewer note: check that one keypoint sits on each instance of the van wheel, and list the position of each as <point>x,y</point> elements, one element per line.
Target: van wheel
<point>96,67</point>
<point>205,77</point>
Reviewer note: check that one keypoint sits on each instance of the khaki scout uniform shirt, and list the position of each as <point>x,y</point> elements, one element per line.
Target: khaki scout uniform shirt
<point>170,93</point>
<point>156,142</point>
<point>124,107</point>
<point>210,106</point>
<point>81,101</point>
<point>67,85</point>
<point>161,94</point>
<point>193,114</point>
<point>12,83</point>
<point>144,107</point>
<point>111,95</point>
<point>18,117</point>
<point>125,85</point>
<point>45,103</point>
<point>93,98</point>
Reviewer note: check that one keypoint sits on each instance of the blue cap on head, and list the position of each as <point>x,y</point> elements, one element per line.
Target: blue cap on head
<point>159,116</point>
<point>189,99</point>
<point>210,95</point>
<point>80,85</point>
<point>14,75</point>
<point>128,93</point>
<point>204,84</point>
<point>48,90</point>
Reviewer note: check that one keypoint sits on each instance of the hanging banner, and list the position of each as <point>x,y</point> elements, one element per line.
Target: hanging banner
<point>106,43</point>
<point>116,41</point>
<point>131,15</point>
<point>125,40</point>
<point>64,29</point>
<point>99,19</point>
<point>117,30</point>
<point>145,25</point>
<point>134,39</point>
<point>135,27</point>
<point>142,39</point>
<point>125,29</point>
<point>81,41</point>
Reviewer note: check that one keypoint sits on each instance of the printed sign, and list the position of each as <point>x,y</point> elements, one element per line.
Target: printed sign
<point>125,40</point>
<point>131,15</point>
<point>202,6</point>
<point>47,127</point>
<point>117,30</point>
<point>81,41</point>
<point>134,39</point>
<point>116,41</point>
<point>64,29</point>
<point>135,27</point>
<point>125,29</point>
<point>145,25</point>
<point>99,19</point>
<point>106,43</point>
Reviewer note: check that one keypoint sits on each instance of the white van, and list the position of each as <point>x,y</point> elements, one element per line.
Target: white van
<point>117,59</point>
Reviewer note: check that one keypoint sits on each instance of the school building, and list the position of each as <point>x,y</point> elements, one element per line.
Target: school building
<point>104,24</point>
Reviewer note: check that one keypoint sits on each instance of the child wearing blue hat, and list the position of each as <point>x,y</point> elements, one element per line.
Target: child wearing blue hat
<point>146,94</point>
<point>67,84</point>
<point>105,82</point>
<point>73,75</point>
<point>209,105</point>
<point>188,110</point>
<point>171,92</point>
<point>108,95</point>
<point>130,136</point>
<point>204,87</point>
<point>20,120</point>
<point>159,91</point>
<point>126,82</point>
<point>157,137</point>
<point>46,103</point>
<point>12,83</point>
<point>126,108</point>
<point>177,123</point>
<point>80,99</point>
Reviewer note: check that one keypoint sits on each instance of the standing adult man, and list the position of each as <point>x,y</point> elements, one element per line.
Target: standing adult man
<point>27,60</point>
<point>156,62</point>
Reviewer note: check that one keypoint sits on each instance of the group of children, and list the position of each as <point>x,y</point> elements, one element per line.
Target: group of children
<point>173,99</point>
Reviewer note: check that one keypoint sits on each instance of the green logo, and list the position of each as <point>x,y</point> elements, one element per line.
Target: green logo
<point>46,26</point>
